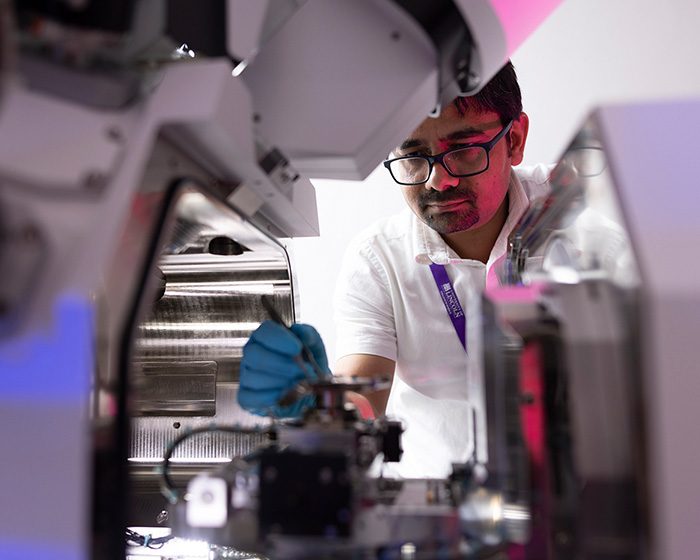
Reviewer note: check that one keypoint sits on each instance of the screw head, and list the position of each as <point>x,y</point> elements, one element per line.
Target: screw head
<point>95,181</point>
<point>115,133</point>
<point>30,234</point>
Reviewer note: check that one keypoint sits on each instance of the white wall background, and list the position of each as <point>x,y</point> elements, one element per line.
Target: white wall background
<point>589,52</point>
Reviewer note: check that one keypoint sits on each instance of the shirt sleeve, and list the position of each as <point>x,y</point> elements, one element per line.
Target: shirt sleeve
<point>364,314</point>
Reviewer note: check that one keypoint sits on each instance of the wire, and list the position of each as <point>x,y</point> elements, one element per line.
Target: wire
<point>168,487</point>
<point>146,540</point>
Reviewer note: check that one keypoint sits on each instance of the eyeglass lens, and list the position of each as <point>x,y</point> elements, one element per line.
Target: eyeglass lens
<point>466,161</point>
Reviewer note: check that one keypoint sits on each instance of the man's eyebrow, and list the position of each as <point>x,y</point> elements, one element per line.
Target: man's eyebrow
<point>463,134</point>
<point>410,143</point>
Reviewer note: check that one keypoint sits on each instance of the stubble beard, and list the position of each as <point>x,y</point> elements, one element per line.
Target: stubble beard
<point>448,222</point>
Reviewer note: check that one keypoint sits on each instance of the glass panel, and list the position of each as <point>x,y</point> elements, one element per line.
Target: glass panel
<point>578,231</point>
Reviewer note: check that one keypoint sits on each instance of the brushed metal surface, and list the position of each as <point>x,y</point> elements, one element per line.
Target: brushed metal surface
<point>186,388</point>
<point>214,268</point>
<point>210,307</point>
<point>151,435</point>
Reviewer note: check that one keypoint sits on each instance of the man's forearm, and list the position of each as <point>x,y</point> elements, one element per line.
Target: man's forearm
<point>368,366</point>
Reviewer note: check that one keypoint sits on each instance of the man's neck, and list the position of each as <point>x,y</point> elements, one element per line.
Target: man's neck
<point>478,243</point>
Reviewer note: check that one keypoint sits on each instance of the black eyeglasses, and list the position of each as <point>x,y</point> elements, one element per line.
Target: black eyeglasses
<point>464,161</point>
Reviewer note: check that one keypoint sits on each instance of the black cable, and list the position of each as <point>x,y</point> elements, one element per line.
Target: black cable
<point>146,540</point>
<point>168,487</point>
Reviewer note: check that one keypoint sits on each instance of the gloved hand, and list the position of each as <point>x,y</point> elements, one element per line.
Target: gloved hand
<point>270,368</point>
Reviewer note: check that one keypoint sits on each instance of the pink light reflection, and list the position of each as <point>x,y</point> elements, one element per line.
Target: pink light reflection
<point>520,19</point>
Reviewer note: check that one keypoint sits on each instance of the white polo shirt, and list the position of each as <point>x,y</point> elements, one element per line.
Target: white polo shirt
<point>387,304</point>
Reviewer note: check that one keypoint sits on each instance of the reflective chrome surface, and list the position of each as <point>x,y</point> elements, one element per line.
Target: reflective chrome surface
<point>209,279</point>
<point>210,306</point>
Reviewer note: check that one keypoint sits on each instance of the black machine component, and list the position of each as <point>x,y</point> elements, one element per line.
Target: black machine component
<point>201,25</point>
<point>78,50</point>
<point>391,443</point>
<point>318,485</point>
<point>453,42</point>
<point>106,15</point>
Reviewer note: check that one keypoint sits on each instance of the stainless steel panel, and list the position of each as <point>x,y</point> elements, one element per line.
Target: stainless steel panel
<point>213,271</point>
<point>210,307</point>
<point>152,435</point>
<point>172,388</point>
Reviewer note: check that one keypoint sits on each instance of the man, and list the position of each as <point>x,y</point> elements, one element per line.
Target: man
<point>408,282</point>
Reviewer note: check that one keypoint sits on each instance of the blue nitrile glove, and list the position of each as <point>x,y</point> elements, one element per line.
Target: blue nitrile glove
<point>269,368</point>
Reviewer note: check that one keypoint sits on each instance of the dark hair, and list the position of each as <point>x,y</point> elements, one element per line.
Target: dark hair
<point>501,95</point>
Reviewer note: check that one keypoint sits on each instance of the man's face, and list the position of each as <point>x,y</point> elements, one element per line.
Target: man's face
<point>449,204</point>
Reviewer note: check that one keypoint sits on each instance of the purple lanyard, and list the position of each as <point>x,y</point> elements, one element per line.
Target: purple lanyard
<point>449,298</point>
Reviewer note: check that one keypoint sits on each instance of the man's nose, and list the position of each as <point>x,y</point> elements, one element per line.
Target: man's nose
<point>440,179</point>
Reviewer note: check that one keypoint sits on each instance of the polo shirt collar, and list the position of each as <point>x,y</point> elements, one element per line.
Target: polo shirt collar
<point>430,248</point>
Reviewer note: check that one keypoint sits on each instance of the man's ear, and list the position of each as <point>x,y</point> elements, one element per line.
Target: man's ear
<point>518,137</point>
